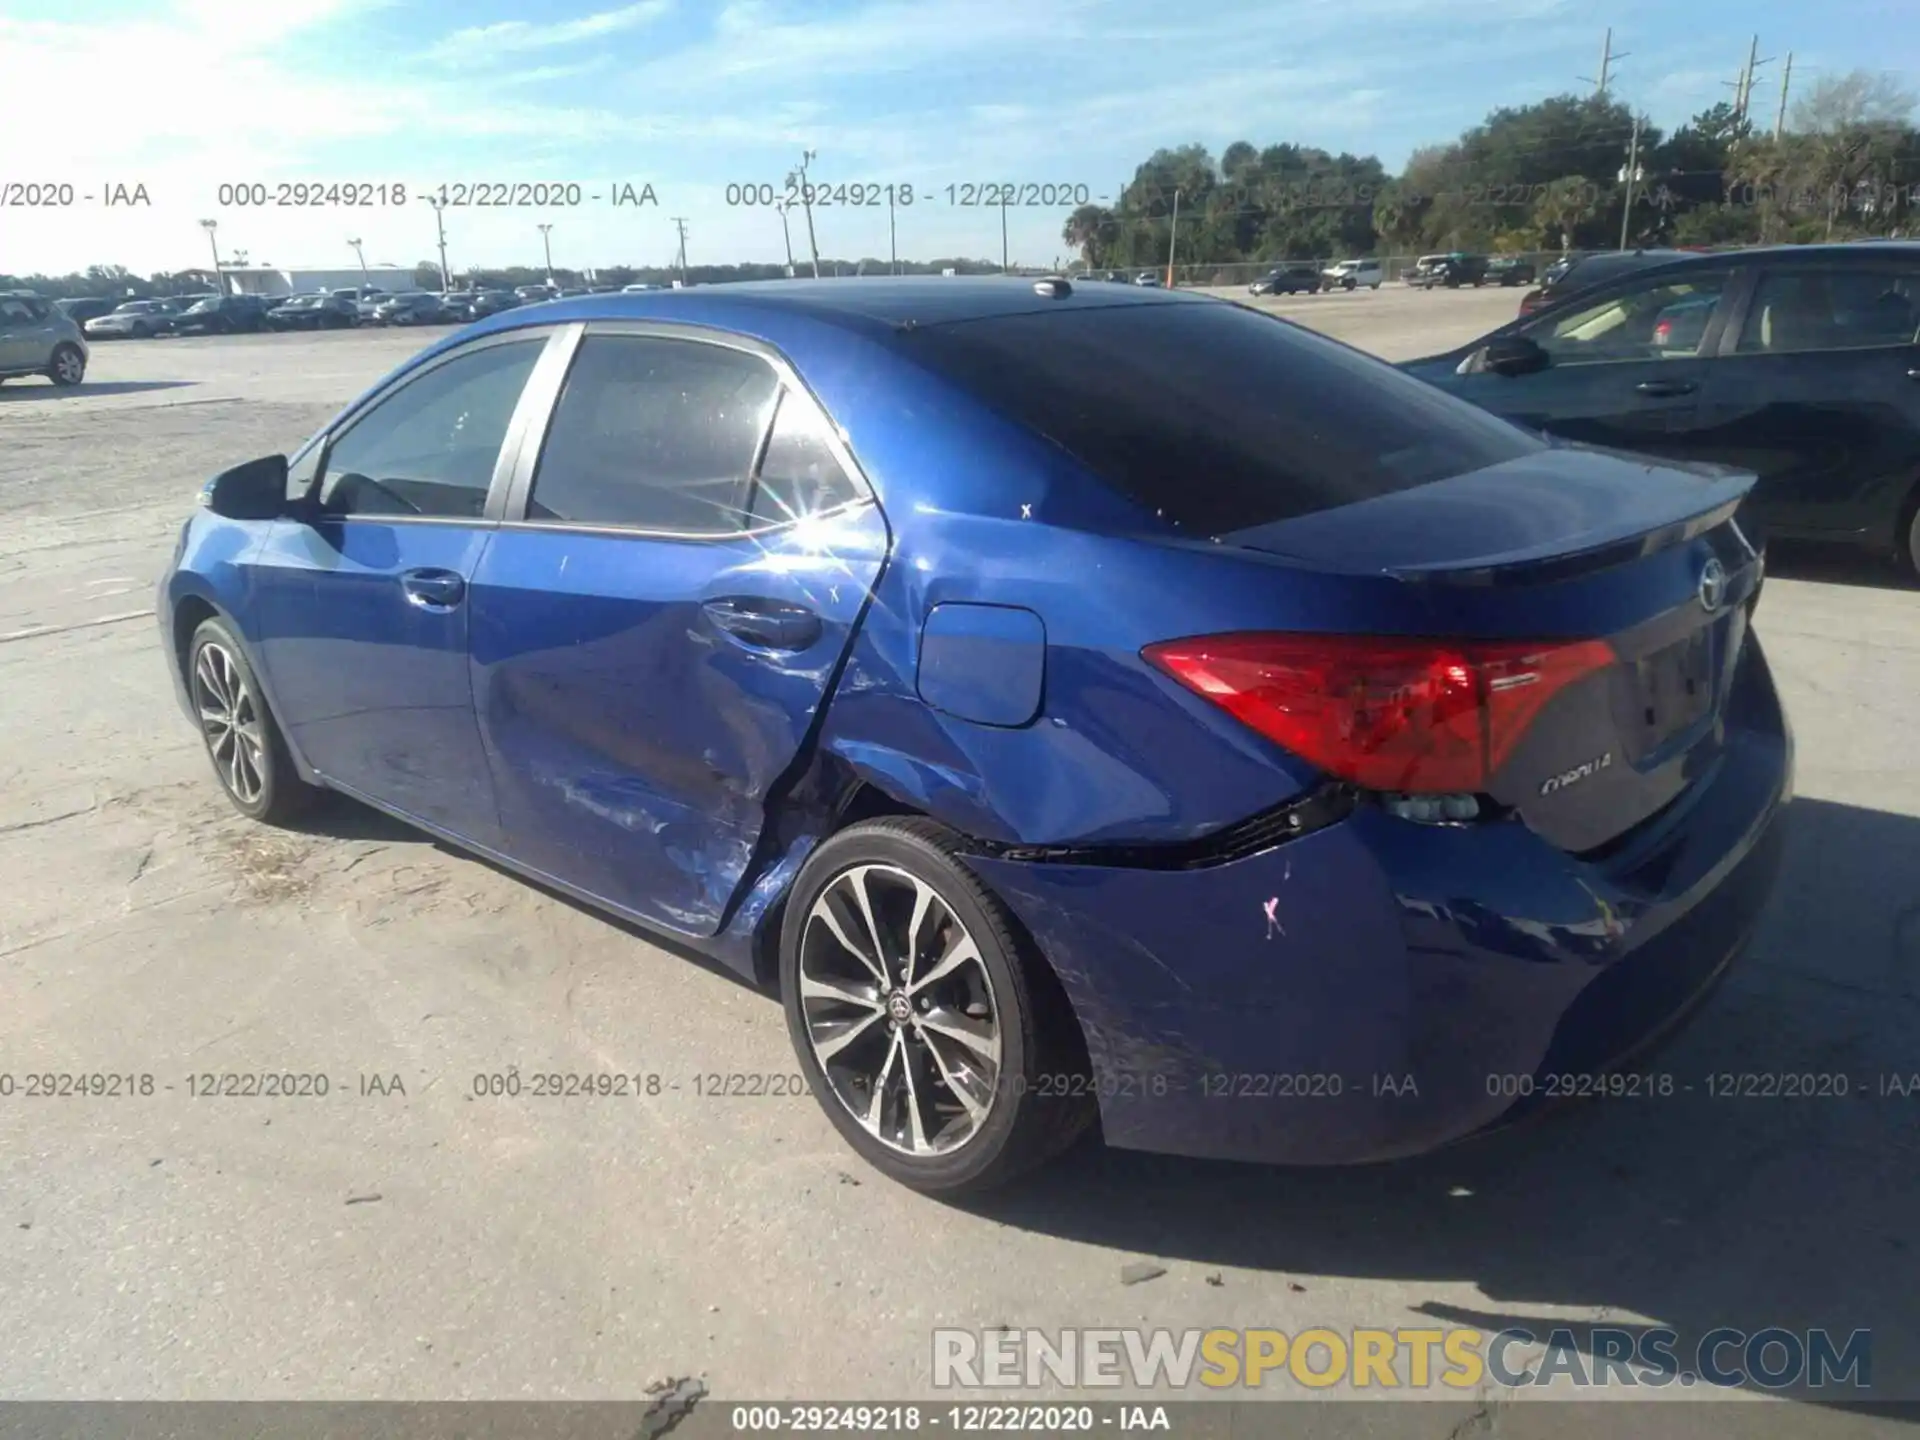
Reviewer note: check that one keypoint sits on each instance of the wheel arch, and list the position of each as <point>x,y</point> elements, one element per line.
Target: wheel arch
<point>191,610</point>
<point>860,798</point>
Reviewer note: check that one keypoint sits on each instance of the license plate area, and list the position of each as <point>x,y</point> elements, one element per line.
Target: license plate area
<point>1673,690</point>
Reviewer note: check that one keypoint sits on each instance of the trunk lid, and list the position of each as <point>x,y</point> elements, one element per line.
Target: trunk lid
<point>1570,544</point>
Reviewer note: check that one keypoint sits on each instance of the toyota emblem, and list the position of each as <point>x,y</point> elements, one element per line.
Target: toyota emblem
<point>1713,585</point>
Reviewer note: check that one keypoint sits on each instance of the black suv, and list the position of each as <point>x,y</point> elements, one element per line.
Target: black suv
<point>1797,363</point>
<point>1452,271</point>
<point>1302,279</point>
<point>1510,270</point>
<point>221,315</point>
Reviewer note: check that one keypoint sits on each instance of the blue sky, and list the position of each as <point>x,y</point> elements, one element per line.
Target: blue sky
<point>183,95</point>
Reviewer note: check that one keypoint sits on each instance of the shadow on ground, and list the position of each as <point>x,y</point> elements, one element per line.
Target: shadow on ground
<point>21,391</point>
<point>1692,1212</point>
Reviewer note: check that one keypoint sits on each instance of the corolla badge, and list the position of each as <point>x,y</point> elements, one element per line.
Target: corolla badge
<point>1576,774</point>
<point>1713,585</point>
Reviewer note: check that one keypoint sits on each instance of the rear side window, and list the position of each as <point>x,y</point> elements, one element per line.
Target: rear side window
<point>799,474</point>
<point>1215,416</point>
<point>655,434</point>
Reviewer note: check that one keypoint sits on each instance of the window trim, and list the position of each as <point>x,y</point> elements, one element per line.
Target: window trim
<point>548,335</point>
<point>788,383</point>
<point>1729,348</point>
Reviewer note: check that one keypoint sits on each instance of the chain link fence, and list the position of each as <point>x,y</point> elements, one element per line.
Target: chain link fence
<point>1394,268</point>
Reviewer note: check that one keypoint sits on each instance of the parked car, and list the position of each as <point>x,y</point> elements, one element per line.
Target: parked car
<point>639,287</point>
<point>1352,274</point>
<point>491,302</point>
<point>338,310</point>
<point>1147,277</point>
<point>1451,271</point>
<point>534,294</point>
<point>1453,750</point>
<point>1509,270</point>
<point>135,320</point>
<point>416,308</point>
<point>1796,363</point>
<point>1288,280</point>
<point>1421,267</point>
<point>221,315</point>
<point>84,308</point>
<point>1571,274</point>
<point>38,338</point>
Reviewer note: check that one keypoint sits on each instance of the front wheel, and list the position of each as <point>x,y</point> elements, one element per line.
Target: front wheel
<point>935,1041</point>
<point>1910,546</point>
<point>243,740</point>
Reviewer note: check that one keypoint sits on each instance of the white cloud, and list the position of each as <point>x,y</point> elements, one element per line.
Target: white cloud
<point>486,42</point>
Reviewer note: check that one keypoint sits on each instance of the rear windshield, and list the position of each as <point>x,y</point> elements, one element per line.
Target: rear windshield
<point>1216,416</point>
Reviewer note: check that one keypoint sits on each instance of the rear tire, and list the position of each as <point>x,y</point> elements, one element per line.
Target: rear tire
<point>936,1048</point>
<point>1909,556</point>
<point>249,754</point>
<point>68,366</point>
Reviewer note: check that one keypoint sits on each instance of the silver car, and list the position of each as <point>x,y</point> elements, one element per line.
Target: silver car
<point>137,319</point>
<point>37,338</point>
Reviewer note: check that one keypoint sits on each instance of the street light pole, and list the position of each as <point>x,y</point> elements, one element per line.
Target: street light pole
<point>362,255</point>
<point>210,226</point>
<point>786,235</point>
<point>546,241</point>
<point>440,228</point>
<point>806,203</point>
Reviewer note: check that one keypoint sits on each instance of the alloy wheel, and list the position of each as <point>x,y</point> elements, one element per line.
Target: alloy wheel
<point>899,1010</point>
<point>68,367</point>
<point>230,721</point>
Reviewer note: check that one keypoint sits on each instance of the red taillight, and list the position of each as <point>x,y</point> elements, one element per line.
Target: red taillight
<point>1663,332</point>
<point>1415,716</point>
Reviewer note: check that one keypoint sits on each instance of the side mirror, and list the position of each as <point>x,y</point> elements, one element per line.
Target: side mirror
<point>256,490</point>
<point>1514,355</point>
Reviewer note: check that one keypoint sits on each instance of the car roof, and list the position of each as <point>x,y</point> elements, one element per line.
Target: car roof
<point>873,304</point>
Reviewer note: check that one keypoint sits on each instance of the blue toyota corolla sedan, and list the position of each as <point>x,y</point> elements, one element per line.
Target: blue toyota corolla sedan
<point>1079,703</point>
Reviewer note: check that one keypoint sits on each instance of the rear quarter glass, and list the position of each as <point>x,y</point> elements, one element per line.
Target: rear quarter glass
<point>1213,416</point>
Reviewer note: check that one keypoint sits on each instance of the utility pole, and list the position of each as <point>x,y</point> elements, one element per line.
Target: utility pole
<point>1607,56</point>
<point>893,242</point>
<point>680,224</point>
<point>1780,117</point>
<point>1743,87</point>
<point>362,256</point>
<point>1631,174</point>
<point>1173,235</point>
<point>806,203</point>
<point>546,243</point>
<point>1003,230</point>
<point>440,225</point>
<point>786,235</point>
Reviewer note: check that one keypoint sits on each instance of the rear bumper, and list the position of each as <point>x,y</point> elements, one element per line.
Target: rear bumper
<point>1378,988</point>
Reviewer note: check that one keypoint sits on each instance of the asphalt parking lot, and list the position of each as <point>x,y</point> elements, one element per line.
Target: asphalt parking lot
<point>431,1244</point>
